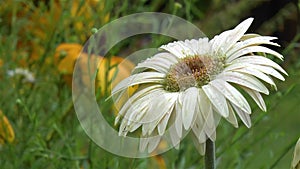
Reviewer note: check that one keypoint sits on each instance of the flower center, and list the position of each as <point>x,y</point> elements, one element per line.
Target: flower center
<point>192,71</point>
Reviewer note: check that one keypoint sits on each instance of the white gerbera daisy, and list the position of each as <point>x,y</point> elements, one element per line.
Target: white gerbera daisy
<point>190,85</point>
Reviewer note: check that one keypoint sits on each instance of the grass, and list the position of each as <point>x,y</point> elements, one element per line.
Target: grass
<point>47,131</point>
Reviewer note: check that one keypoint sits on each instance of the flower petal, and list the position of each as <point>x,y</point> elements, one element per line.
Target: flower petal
<point>199,146</point>
<point>160,104</point>
<point>256,70</point>
<point>249,36</point>
<point>189,105</point>
<point>161,127</point>
<point>227,39</point>
<point>207,113</point>
<point>259,60</point>
<point>178,120</point>
<point>217,99</point>
<point>138,95</point>
<point>198,128</point>
<point>232,118</point>
<point>203,46</point>
<point>256,73</point>
<point>244,80</point>
<point>243,115</point>
<point>269,71</point>
<point>252,49</point>
<point>175,139</point>
<point>251,42</point>
<point>233,95</point>
<point>179,49</point>
<point>160,62</point>
<point>144,77</point>
<point>153,143</point>
<point>143,144</point>
<point>256,97</point>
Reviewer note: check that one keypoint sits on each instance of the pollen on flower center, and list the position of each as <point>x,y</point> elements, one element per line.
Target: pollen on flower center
<point>192,71</point>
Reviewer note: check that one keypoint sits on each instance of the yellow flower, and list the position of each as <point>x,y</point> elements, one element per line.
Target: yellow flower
<point>114,69</point>
<point>66,56</point>
<point>6,131</point>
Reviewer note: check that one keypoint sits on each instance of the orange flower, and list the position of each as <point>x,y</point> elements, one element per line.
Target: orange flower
<point>65,56</point>
<point>6,131</point>
<point>117,70</point>
<point>113,70</point>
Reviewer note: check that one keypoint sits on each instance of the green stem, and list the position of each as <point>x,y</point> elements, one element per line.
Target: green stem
<point>210,157</point>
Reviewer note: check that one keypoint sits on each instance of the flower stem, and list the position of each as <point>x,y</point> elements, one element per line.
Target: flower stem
<point>210,155</point>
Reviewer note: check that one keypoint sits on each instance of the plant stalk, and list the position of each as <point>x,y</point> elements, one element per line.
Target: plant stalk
<point>210,157</point>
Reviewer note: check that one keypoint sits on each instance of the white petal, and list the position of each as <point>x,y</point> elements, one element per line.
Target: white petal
<point>134,126</point>
<point>137,109</point>
<point>203,46</point>
<point>243,115</point>
<point>252,49</point>
<point>199,146</point>
<point>161,127</point>
<point>159,103</point>
<point>175,139</point>
<point>217,99</point>
<point>259,60</point>
<point>153,143</point>
<point>189,105</point>
<point>227,39</point>
<point>206,109</point>
<point>143,144</point>
<point>244,80</point>
<point>193,44</point>
<point>232,118</point>
<point>134,114</point>
<point>198,128</point>
<point>123,128</point>
<point>249,36</point>
<point>233,95</point>
<point>251,71</point>
<point>178,120</point>
<point>218,42</point>
<point>159,106</point>
<point>144,77</point>
<point>270,71</point>
<point>179,49</point>
<point>256,97</point>
<point>256,70</point>
<point>251,42</point>
<point>207,112</point>
<point>137,96</point>
<point>160,62</point>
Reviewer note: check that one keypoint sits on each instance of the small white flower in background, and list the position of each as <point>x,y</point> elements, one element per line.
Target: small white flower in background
<point>28,76</point>
<point>296,159</point>
<point>191,86</point>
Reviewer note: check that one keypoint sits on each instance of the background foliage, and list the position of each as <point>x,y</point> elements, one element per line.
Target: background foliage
<point>47,132</point>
